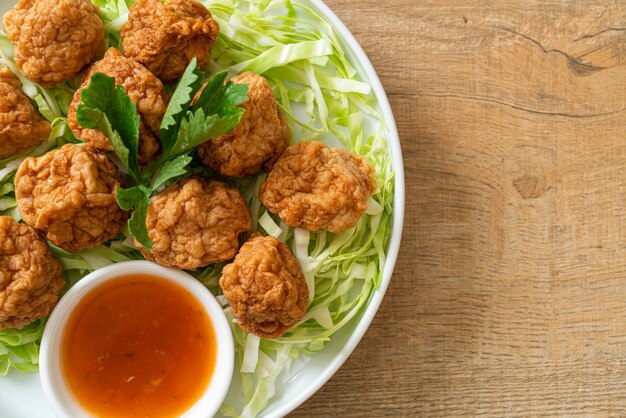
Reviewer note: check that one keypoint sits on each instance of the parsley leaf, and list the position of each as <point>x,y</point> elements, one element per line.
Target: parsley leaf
<point>110,110</point>
<point>214,114</point>
<point>192,131</point>
<point>189,84</point>
<point>137,199</point>
<point>170,169</point>
<point>219,97</point>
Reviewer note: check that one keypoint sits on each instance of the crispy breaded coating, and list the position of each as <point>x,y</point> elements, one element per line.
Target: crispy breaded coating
<point>54,39</point>
<point>318,188</point>
<point>143,88</point>
<point>30,277</point>
<point>21,126</point>
<point>165,37</point>
<point>195,222</point>
<point>259,139</point>
<point>265,287</point>
<point>69,194</point>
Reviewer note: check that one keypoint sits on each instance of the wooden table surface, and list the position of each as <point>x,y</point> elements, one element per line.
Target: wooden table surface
<point>509,295</point>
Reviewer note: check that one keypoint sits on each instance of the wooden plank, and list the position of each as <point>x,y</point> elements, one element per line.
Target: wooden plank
<point>509,297</point>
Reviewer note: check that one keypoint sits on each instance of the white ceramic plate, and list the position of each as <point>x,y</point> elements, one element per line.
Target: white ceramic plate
<point>21,395</point>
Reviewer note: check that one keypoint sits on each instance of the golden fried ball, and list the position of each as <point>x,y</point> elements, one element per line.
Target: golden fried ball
<point>143,88</point>
<point>21,126</point>
<point>195,222</point>
<point>265,287</point>
<point>165,37</point>
<point>54,39</point>
<point>318,188</point>
<point>259,139</point>
<point>69,194</point>
<point>30,277</point>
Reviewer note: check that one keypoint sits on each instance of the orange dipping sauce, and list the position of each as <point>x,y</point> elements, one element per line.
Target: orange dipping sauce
<point>138,346</point>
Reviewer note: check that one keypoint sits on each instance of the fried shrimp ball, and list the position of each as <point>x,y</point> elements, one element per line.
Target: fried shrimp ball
<point>30,277</point>
<point>165,37</point>
<point>21,127</point>
<point>54,39</point>
<point>259,139</point>
<point>265,287</point>
<point>195,222</point>
<point>143,88</point>
<point>318,188</point>
<point>69,194</point>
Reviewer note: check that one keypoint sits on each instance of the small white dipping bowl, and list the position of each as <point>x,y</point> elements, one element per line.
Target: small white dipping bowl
<point>57,391</point>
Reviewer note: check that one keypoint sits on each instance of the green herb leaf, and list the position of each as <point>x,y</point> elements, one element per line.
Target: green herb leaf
<point>110,110</point>
<point>137,199</point>
<point>127,198</point>
<point>171,169</point>
<point>193,131</point>
<point>213,115</point>
<point>137,224</point>
<point>198,128</point>
<point>219,97</point>
<point>186,89</point>
<point>96,119</point>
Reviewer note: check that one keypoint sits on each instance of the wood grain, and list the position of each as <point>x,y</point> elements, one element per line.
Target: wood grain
<point>509,296</point>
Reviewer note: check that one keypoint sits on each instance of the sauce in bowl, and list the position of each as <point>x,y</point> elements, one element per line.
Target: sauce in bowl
<point>138,346</point>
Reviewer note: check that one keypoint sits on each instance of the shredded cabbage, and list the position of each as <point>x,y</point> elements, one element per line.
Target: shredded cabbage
<point>19,349</point>
<point>114,14</point>
<point>323,97</point>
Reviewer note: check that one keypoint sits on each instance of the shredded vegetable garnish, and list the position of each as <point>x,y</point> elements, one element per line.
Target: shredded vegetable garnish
<point>19,349</point>
<point>324,98</point>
